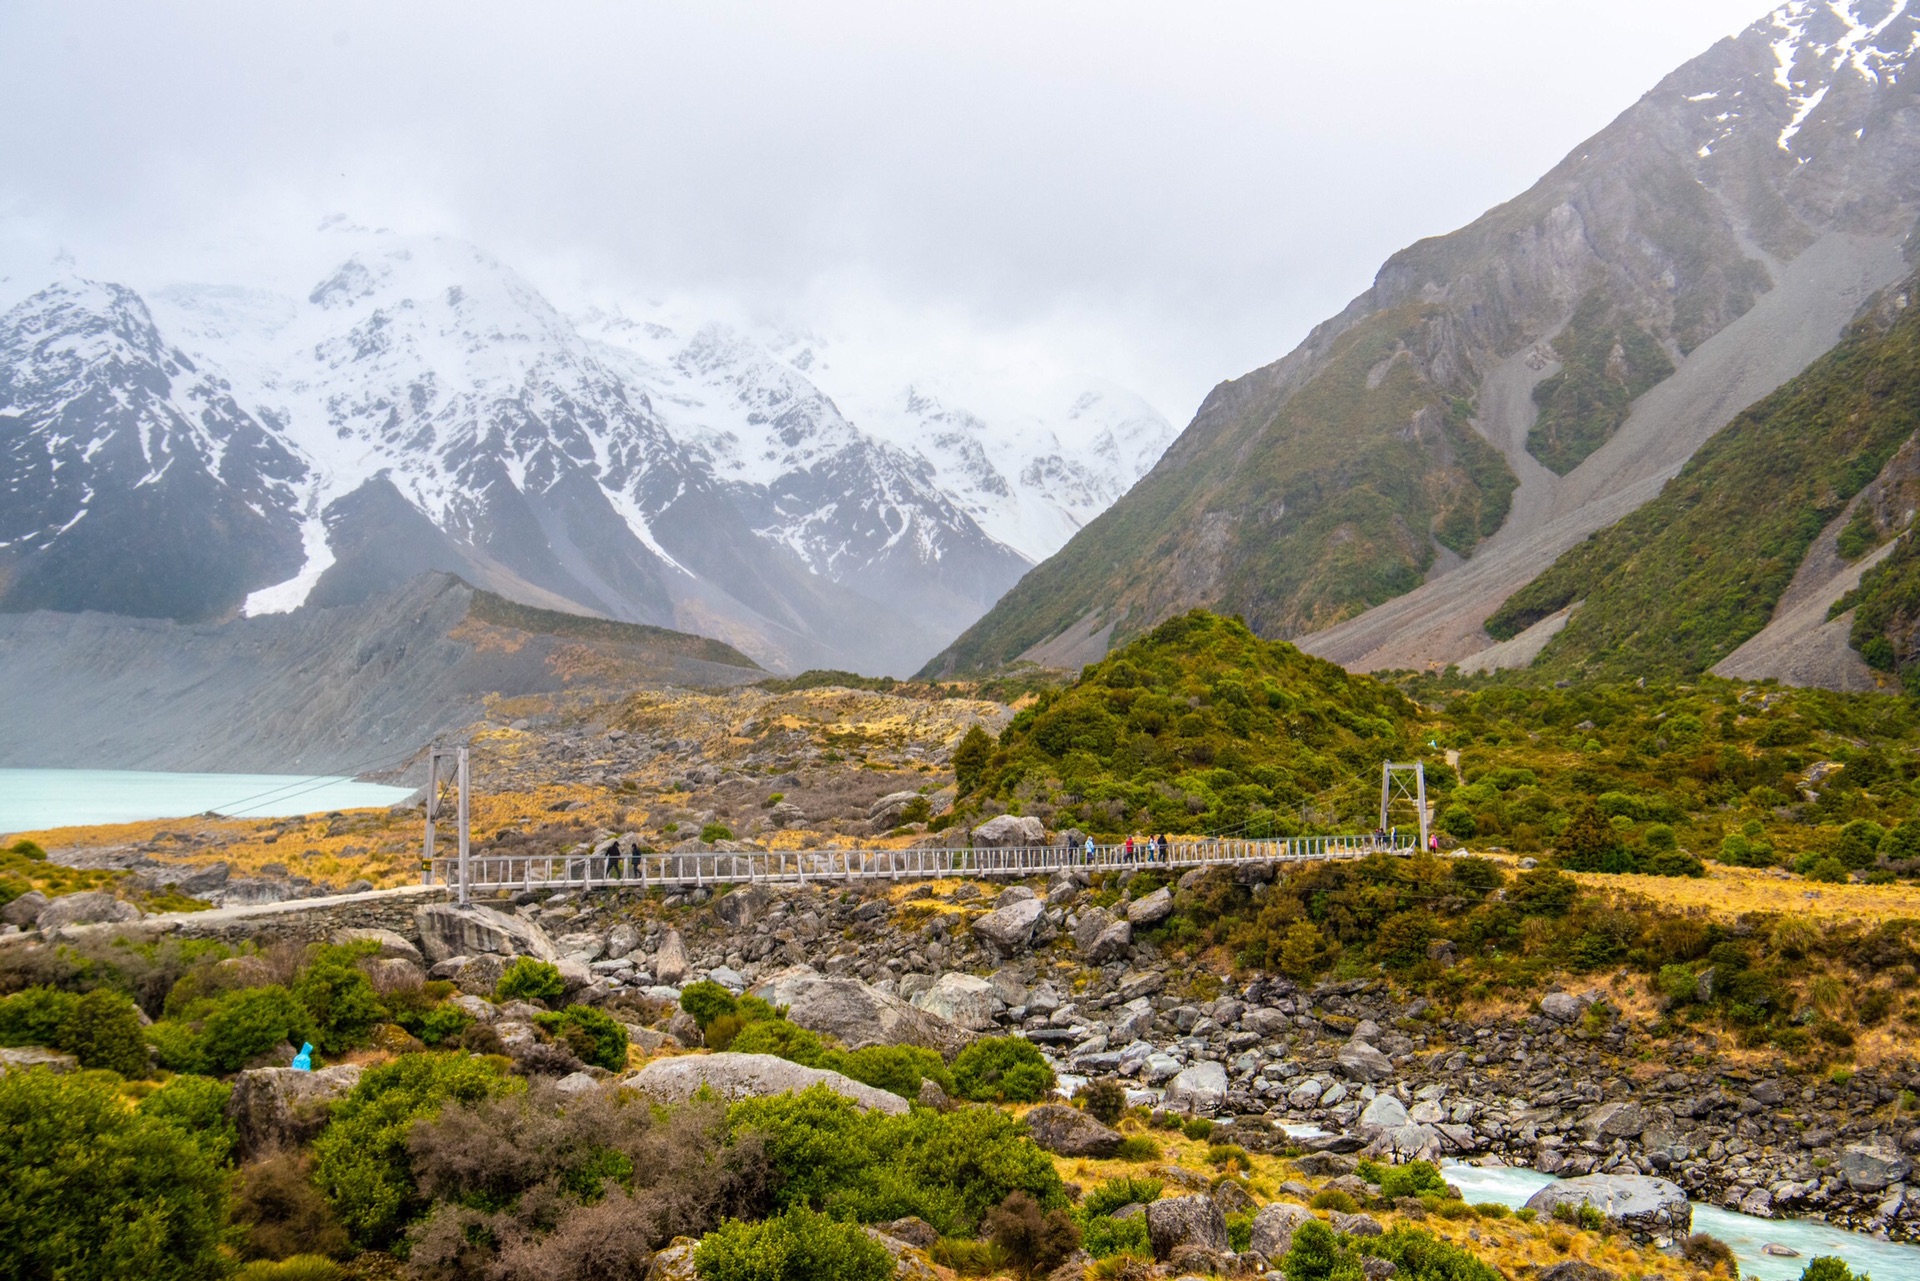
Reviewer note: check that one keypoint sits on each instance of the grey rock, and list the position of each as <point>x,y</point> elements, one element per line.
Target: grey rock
<point>1402,1143</point>
<point>1362,1062</point>
<point>89,907</point>
<point>1185,1221</point>
<point>282,1107</point>
<point>1233,1199</point>
<point>885,812</point>
<point>1649,1209</point>
<point>670,961</point>
<point>1383,1112</point>
<point>25,910</point>
<point>1358,1225</point>
<point>1009,832</point>
<point>856,1014</point>
<point>1621,1119</point>
<point>390,944</point>
<point>621,940</point>
<point>1870,1167</point>
<point>576,1083</point>
<point>932,1096</point>
<point>1201,1089</point>
<point>743,1076</point>
<point>1151,910</point>
<point>1071,1132</point>
<point>1138,983</point>
<point>1273,1227</point>
<point>675,1263</point>
<point>447,929</point>
<point>26,1057</point>
<point>1010,928</point>
<point>1561,1007</point>
<point>1160,1067</point>
<point>962,999</point>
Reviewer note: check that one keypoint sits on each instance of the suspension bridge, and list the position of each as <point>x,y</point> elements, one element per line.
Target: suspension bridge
<point>624,864</point>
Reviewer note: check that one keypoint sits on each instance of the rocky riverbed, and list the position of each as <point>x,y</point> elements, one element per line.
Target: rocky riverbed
<point>1567,1088</point>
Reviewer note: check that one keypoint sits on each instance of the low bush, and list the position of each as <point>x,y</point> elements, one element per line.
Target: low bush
<point>1030,1239</point>
<point>1105,1100</point>
<point>593,1036</point>
<point>1104,1237</point>
<point>897,1069</point>
<point>299,1267</point>
<point>706,1001</point>
<point>1710,1252</point>
<point>719,1034</point>
<point>1415,1178</point>
<point>1002,1069</point>
<point>1197,1128</point>
<point>101,1029</point>
<point>1114,1193</point>
<point>1137,1148</point>
<point>797,1245</point>
<point>780,1038</point>
<point>1240,1232</point>
<point>92,1190</point>
<point>1224,1155</point>
<point>33,1016</point>
<point>1827,1267</point>
<point>1336,1200</point>
<point>250,1023</point>
<point>197,1105</point>
<point>343,1005</point>
<point>947,1168</point>
<point>361,1161</point>
<point>528,979</point>
<point>278,1212</point>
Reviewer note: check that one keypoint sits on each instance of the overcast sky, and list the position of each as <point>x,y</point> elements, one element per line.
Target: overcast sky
<point>1163,194</point>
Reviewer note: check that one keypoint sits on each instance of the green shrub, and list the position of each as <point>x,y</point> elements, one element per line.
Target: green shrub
<point>102,1030</point>
<point>1334,1199</point>
<point>1197,1128</point>
<point>91,1190</point>
<point>1415,1178</point>
<point>1223,1155</point>
<point>1827,1267</point>
<point>593,1037</point>
<point>1492,1210</point>
<point>897,1069</point>
<point>947,1168</point>
<point>797,1245</point>
<point>1421,1256</point>
<point>1030,1239</point>
<point>443,1023</point>
<point>252,1022</point>
<point>197,1105</point>
<point>34,1016</point>
<point>1240,1233</point>
<point>177,1046</point>
<point>714,832</point>
<point>781,1039</point>
<point>1002,1069</point>
<point>1710,1252</point>
<point>1114,1193</point>
<point>706,1001</point>
<point>528,979</point>
<point>338,996</point>
<point>1105,1237</point>
<point>1829,870</point>
<point>360,1159</point>
<point>1137,1148</point>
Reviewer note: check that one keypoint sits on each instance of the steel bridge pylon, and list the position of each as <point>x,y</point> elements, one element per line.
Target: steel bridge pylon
<point>1401,781</point>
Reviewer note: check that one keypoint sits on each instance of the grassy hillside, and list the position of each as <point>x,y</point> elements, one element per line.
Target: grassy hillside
<point>1606,361</point>
<point>1681,582</point>
<point>1294,516</point>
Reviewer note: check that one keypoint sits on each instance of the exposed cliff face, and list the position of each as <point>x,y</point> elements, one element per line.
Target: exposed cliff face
<point>1329,482</point>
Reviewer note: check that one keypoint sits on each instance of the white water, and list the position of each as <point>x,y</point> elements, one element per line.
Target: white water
<point>31,799</point>
<point>1512,1185</point>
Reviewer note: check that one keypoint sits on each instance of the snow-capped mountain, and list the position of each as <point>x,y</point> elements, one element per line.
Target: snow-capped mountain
<point>424,407</point>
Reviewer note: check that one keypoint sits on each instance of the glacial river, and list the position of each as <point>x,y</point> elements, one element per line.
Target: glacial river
<point>31,799</point>
<point>1886,1261</point>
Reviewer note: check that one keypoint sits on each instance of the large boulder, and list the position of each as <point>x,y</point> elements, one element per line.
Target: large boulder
<point>447,929</point>
<point>284,1108</point>
<point>1185,1220</point>
<point>1273,1227</point>
<point>1099,937</point>
<point>670,963</point>
<point>1010,928</point>
<point>1008,832</point>
<point>1152,909</point>
<point>1364,1063</point>
<point>1071,1132</point>
<point>1399,1144</point>
<point>965,1000</point>
<point>856,1014</point>
<point>1201,1089</point>
<point>886,812</point>
<point>1383,1112</point>
<point>25,910</point>
<point>89,907</point>
<point>675,1263</point>
<point>747,1076</point>
<point>1649,1210</point>
<point>1871,1167</point>
<point>1561,1007</point>
<point>388,943</point>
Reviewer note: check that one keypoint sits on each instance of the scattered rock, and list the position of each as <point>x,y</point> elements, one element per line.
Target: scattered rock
<point>857,1014</point>
<point>25,910</point>
<point>1233,1199</point>
<point>1383,1112</point>
<point>1616,1120</point>
<point>915,1231</point>
<point>1576,1270</point>
<point>1071,1132</point>
<point>1185,1220</point>
<point>1870,1167</point>
<point>283,1107</point>
<point>390,944</point>
<point>1364,1063</point>
<point>1561,1007</point>
<point>675,1263</point>
<point>447,929</point>
<point>1358,1225</point>
<point>1010,928</point>
<point>1648,1209</point>
<point>1151,910</point>
<point>743,1076</point>
<point>961,999</point>
<point>670,962</point>
<point>89,907</point>
<point>1273,1227</point>
<point>1200,1089</point>
<point>25,1057</point>
<point>1009,832</point>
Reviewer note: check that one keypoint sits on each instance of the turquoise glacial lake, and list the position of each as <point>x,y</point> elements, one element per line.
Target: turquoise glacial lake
<point>31,799</point>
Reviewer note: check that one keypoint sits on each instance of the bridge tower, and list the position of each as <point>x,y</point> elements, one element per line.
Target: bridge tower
<point>1404,782</point>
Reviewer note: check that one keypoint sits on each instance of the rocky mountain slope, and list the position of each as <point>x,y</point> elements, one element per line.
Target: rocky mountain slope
<point>1503,391</point>
<point>315,691</point>
<point>211,450</point>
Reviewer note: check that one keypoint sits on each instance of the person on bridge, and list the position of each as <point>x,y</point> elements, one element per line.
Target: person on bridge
<point>1129,847</point>
<point>1160,847</point>
<point>1089,849</point>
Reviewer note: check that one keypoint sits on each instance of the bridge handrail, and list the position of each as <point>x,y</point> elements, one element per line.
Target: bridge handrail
<point>672,869</point>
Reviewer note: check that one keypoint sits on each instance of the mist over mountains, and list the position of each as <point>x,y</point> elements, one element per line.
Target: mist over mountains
<point>209,450</point>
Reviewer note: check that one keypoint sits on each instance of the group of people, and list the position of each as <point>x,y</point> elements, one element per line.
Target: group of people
<point>1154,849</point>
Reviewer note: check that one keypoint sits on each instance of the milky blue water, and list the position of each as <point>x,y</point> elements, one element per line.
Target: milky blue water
<point>31,799</point>
<point>1512,1185</point>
